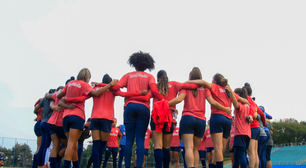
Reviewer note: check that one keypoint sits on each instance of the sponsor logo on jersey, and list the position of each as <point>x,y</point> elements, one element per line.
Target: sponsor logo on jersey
<point>78,85</point>
<point>138,75</point>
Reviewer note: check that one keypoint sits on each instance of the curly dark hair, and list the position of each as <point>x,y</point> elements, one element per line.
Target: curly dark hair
<point>141,61</point>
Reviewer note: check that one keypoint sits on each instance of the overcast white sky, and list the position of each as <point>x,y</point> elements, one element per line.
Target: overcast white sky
<point>43,43</point>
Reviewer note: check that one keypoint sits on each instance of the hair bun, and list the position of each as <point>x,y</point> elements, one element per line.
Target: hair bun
<point>247,84</point>
<point>224,82</point>
<point>72,78</point>
<point>51,91</point>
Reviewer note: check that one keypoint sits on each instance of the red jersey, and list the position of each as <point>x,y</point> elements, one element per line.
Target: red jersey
<point>175,142</point>
<point>253,106</point>
<point>56,117</point>
<point>113,138</point>
<point>202,146</point>
<point>76,88</point>
<point>219,95</point>
<point>147,139</point>
<point>231,137</point>
<point>103,105</point>
<point>195,106</point>
<point>207,137</point>
<point>255,123</point>
<point>136,82</point>
<point>38,114</point>
<point>242,125</point>
<point>174,88</point>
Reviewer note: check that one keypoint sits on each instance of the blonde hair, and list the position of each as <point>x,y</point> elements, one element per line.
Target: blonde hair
<point>84,75</point>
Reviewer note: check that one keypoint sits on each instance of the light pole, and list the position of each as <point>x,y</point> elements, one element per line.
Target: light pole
<point>295,140</point>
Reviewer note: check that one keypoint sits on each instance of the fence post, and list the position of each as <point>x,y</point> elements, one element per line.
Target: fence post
<point>14,152</point>
<point>2,143</point>
<point>26,151</point>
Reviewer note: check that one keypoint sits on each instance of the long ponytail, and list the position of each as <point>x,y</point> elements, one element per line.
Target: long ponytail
<point>162,86</point>
<point>193,75</point>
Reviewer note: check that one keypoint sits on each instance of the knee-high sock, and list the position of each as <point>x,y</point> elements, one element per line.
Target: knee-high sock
<point>101,151</point>
<point>158,155</point>
<point>95,153</point>
<point>203,163</point>
<point>219,164</point>
<point>166,157</point>
<point>53,162</point>
<point>76,164</point>
<point>67,164</point>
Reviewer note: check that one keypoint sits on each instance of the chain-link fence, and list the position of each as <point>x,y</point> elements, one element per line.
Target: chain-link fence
<point>150,162</point>
<point>19,153</point>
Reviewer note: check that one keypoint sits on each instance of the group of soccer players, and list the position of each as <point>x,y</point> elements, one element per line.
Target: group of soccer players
<point>61,118</point>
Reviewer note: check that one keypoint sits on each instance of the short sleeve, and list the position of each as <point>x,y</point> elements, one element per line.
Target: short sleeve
<point>207,93</point>
<point>86,88</point>
<point>236,96</point>
<point>123,81</point>
<point>213,88</point>
<point>183,91</point>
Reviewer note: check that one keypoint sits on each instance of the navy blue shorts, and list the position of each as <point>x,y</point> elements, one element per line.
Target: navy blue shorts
<point>146,152</point>
<point>37,129</point>
<point>101,124</point>
<point>192,125</point>
<point>220,124</point>
<point>152,124</point>
<point>268,152</point>
<point>242,140</point>
<point>208,150</point>
<point>111,149</point>
<point>175,149</point>
<point>202,154</point>
<point>59,131</point>
<point>255,133</point>
<point>74,122</point>
<point>136,112</point>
